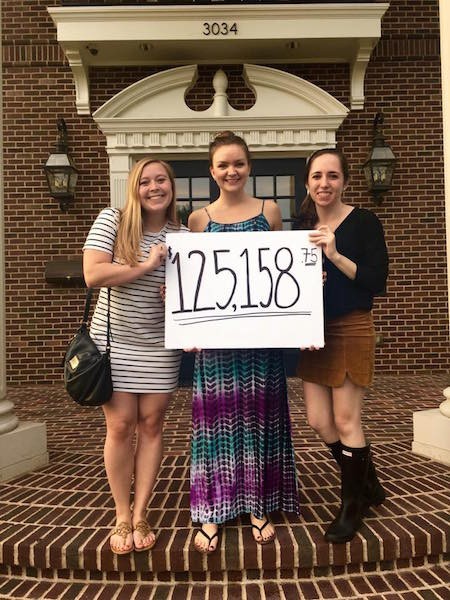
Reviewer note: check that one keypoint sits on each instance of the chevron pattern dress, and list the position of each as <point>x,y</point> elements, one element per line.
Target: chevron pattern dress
<point>242,459</point>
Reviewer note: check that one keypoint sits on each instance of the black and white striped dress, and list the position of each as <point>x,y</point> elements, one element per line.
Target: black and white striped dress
<point>139,361</point>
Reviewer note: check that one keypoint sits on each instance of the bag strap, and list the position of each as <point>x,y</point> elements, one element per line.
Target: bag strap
<point>108,324</point>
<point>87,307</point>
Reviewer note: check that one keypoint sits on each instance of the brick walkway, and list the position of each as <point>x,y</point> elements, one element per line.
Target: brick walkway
<point>54,523</point>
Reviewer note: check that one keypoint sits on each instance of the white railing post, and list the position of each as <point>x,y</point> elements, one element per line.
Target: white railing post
<point>432,427</point>
<point>23,446</point>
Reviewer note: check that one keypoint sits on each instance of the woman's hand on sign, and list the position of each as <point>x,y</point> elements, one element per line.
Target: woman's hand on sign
<point>324,237</point>
<point>156,256</point>
<point>192,349</point>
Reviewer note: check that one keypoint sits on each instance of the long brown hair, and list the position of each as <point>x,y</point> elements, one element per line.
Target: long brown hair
<point>131,229</point>
<point>227,138</point>
<point>308,213</point>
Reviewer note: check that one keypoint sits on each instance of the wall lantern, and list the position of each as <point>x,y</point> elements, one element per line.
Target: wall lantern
<point>60,170</point>
<point>379,167</point>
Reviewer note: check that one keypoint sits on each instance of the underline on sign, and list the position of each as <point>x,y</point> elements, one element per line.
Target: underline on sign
<point>207,319</point>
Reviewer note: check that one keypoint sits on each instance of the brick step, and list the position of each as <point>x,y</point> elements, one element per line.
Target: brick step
<point>405,581</point>
<point>60,518</point>
<point>55,522</point>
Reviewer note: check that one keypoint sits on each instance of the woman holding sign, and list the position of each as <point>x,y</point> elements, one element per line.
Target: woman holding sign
<point>242,457</point>
<point>125,251</point>
<point>335,377</point>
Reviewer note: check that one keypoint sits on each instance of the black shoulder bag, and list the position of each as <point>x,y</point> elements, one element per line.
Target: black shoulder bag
<point>87,371</point>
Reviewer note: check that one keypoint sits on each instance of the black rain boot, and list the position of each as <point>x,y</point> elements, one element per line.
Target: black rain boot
<point>336,451</point>
<point>374,493</point>
<point>355,464</point>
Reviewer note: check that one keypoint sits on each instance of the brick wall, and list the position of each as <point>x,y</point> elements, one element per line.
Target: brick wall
<point>403,81</point>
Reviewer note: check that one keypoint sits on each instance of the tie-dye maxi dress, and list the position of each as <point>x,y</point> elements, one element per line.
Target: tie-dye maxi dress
<point>242,459</point>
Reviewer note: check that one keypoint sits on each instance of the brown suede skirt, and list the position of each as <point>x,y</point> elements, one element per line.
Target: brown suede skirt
<point>349,351</point>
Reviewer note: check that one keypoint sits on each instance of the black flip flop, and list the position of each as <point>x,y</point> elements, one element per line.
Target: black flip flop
<point>262,541</point>
<point>210,538</point>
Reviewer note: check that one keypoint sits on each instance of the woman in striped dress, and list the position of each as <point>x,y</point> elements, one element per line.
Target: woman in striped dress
<point>242,458</point>
<point>125,251</point>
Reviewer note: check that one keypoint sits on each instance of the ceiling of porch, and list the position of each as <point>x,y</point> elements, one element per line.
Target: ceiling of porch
<point>215,34</point>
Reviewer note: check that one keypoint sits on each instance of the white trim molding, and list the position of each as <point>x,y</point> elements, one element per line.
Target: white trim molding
<point>80,73</point>
<point>218,34</point>
<point>151,117</point>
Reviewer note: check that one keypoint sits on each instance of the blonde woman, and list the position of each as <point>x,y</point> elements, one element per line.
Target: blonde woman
<point>125,251</point>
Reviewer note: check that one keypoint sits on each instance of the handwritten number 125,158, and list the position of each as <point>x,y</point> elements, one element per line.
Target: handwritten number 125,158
<point>282,275</point>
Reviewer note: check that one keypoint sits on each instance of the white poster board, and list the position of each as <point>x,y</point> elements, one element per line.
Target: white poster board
<point>243,290</point>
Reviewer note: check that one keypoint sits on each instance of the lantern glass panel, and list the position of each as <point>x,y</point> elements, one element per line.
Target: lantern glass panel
<point>368,175</point>
<point>61,181</point>
<point>72,182</point>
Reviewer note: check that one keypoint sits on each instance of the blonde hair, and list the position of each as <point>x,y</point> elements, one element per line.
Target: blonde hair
<point>130,233</point>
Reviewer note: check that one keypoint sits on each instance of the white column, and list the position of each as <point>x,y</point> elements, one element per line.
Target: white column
<point>23,446</point>
<point>8,421</point>
<point>432,427</point>
<point>119,168</point>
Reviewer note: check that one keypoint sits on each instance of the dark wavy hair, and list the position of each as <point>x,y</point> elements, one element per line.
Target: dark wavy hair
<point>307,216</point>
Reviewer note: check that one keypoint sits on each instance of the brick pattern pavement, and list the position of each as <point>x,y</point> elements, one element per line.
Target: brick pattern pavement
<point>55,522</point>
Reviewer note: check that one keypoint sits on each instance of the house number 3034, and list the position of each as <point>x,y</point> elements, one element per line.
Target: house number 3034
<point>215,28</point>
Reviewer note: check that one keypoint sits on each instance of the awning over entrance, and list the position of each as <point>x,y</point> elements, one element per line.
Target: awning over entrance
<point>214,34</point>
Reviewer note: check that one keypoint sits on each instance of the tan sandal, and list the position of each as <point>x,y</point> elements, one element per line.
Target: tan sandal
<point>144,529</point>
<point>123,530</point>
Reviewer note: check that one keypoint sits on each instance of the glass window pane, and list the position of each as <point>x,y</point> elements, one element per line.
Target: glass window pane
<point>199,203</point>
<point>264,187</point>
<point>182,185</point>
<point>285,207</point>
<point>200,187</point>
<point>249,186</point>
<point>183,210</point>
<point>285,185</point>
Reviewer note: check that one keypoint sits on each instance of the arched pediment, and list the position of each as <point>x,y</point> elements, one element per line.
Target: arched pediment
<point>278,94</point>
<point>152,113</point>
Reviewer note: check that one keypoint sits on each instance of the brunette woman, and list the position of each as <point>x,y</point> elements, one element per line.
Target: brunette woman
<point>335,377</point>
<point>242,458</point>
